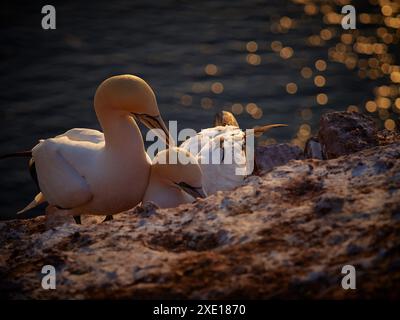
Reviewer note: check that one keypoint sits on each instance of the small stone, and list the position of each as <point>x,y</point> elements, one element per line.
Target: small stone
<point>313,149</point>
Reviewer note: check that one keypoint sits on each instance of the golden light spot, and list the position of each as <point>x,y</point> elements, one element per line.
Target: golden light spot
<point>388,38</point>
<point>251,46</point>
<point>352,108</point>
<point>217,87</point>
<point>286,22</point>
<point>387,10</point>
<point>397,104</point>
<point>346,38</point>
<point>306,72</point>
<point>393,90</point>
<point>310,9</point>
<point>350,62</point>
<point>276,46</point>
<point>211,69</point>
<point>383,91</point>
<point>381,31</point>
<point>390,124</point>
<point>257,114</point>
<point>253,59</point>
<point>383,103</point>
<point>206,103</point>
<point>237,108</point>
<point>286,53</point>
<point>251,108</point>
<point>395,76</point>
<point>291,88</point>
<point>186,100</point>
<point>385,68</point>
<point>364,18</point>
<point>322,98</point>
<point>319,81</point>
<point>371,106</point>
<point>332,18</point>
<point>315,40</point>
<point>379,48</point>
<point>326,34</point>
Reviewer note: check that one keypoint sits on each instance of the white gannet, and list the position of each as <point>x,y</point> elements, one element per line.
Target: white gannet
<point>211,143</point>
<point>173,183</point>
<point>84,171</point>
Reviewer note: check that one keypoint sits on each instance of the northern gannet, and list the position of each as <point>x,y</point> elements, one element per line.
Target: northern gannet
<point>213,142</point>
<point>84,171</point>
<point>174,182</point>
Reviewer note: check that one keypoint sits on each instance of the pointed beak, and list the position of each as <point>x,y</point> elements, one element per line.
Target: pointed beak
<point>258,131</point>
<point>155,122</point>
<point>193,191</point>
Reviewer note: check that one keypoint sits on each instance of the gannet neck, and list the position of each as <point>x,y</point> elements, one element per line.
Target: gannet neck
<point>119,98</point>
<point>120,130</point>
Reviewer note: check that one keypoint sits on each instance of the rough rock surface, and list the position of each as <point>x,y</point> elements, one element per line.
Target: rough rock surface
<point>268,157</point>
<point>285,234</point>
<point>344,133</point>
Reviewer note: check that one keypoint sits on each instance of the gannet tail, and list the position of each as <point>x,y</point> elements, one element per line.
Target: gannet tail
<point>35,202</point>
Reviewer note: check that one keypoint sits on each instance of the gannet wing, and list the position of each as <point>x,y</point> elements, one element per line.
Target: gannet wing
<point>221,161</point>
<point>60,180</point>
<point>197,142</point>
<point>83,134</point>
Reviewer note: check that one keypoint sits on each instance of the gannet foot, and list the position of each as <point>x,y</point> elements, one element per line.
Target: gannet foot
<point>77,219</point>
<point>108,218</point>
<point>56,217</point>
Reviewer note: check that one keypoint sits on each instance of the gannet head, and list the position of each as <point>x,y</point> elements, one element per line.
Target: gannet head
<point>178,168</point>
<point>225,118</point>
<point>132,95</point>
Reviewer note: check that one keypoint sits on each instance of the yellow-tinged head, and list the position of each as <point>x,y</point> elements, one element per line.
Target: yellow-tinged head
<point>179,167</point>
<point>131,94</point>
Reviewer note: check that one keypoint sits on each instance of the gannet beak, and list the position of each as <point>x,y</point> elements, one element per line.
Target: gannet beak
<point>195,192</point>
<point>155,122</point>
<point>262,129</point>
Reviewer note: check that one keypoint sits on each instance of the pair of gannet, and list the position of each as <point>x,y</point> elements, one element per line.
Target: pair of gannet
<point>84,171</point>
<point>225,137</point>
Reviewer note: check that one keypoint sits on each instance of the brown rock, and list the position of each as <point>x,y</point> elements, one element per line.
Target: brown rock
<point>273,155</point>
<point>286,234</point>
<point>343,133</point>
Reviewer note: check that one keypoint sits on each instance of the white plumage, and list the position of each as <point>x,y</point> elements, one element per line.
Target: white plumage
<point>211,144</point>
<point>221,153</point>
<point>84,171</point>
